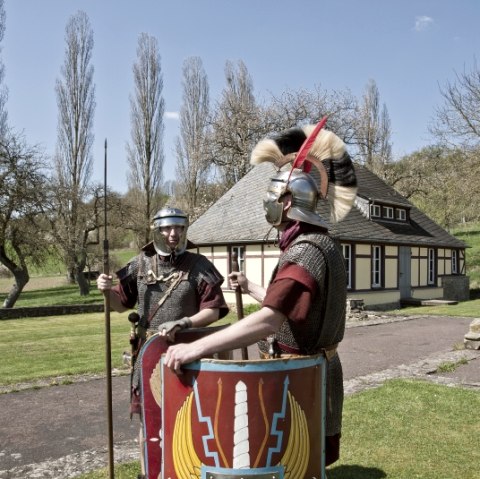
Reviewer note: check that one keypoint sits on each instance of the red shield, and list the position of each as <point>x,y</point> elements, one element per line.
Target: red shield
<point>235,419</point>
<point>152,395</point>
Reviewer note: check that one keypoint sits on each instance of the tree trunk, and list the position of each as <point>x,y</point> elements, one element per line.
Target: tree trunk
<point>82,280</point>
<point>71,275</point>
<point>21,279</point>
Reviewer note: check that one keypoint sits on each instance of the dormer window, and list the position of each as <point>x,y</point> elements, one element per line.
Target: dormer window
<point>375,211</point>
<point>400,214</point>
<point>378,210</point>
<point>388,212</point>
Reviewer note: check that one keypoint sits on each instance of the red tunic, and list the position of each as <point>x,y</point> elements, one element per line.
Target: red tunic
<point>291,292</point>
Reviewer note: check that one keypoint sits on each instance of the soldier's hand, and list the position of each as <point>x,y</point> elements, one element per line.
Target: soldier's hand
<point>169,328</point>
<point>236,279</point>
<point>104,282</point>
<point>179,354</point>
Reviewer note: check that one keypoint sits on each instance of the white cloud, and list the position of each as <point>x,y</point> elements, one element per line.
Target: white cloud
<point>422,23</point>
<point>172,115</point>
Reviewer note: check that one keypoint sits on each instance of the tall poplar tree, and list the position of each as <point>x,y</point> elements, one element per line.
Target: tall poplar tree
<point>75,92</point>
<point>145,151</point>
<point>193,163</point>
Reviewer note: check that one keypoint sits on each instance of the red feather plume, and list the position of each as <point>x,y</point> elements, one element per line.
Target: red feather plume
<point>305,148</point>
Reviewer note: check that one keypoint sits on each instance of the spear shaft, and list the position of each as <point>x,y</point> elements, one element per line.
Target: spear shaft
<point>238,297</point>
<point>108,352</point>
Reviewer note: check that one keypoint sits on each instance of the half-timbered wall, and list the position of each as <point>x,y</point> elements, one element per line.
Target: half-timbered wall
<point>259,260</point>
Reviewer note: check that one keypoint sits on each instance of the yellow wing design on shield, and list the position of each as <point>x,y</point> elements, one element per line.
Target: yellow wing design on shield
<point>187,463</point>
<point>297,454</point>
<point>295,459</point>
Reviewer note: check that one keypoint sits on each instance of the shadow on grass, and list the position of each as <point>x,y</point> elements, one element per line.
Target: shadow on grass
<point>355,472</point>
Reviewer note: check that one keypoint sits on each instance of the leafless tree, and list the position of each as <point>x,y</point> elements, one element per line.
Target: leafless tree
<point>191,147</point>
<point>457,121</point>
<point>73,160</point>
<point>22,200</point>
<point>145,152</point>
<point>236,125</point>
<point>373,131</point>
<point>300,107</point>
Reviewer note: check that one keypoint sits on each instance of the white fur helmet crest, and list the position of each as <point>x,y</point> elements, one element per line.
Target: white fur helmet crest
<point>303,147</point>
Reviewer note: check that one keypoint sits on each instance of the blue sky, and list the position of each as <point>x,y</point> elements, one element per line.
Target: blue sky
<point>408,47</point>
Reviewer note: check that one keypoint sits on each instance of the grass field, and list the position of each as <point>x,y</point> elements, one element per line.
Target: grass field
<point>469,309</point>
<point>59,346</point>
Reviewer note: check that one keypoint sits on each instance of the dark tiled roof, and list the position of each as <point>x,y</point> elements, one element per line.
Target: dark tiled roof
<point>238,216</point>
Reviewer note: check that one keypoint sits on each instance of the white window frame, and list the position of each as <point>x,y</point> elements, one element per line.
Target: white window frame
<point>347,256</point>
<point>431,267</point>
<point>388,212</point>
<point>454,261</point>
<point>401,214</point>
<point>240,250</point>
<point>376,266</point>
<point>375,211</point>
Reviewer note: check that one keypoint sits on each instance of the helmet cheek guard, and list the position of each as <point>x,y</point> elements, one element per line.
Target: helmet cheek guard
<point>271,203</point>
<point>273,209</point>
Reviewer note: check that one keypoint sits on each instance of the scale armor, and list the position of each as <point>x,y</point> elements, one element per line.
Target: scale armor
<point>325,324</point>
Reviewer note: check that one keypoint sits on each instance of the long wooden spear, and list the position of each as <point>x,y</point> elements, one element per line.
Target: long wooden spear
<point>108,352</point>
<point>238,297</point>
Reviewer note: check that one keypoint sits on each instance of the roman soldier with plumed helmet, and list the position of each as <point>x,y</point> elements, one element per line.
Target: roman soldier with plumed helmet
<point>303,309</point>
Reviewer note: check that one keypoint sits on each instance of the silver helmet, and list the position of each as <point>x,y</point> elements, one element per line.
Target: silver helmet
<point>305,147</point>
<point>304,197</point>
<point>169,216</point>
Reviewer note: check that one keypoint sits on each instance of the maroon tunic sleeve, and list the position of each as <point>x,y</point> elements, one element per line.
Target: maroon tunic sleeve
<point>291,292</point>
<point>127,298</point>
<point>211,296</point>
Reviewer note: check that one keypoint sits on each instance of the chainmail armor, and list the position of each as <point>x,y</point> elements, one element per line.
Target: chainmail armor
<point>325,323</point>
<point>150,273</point>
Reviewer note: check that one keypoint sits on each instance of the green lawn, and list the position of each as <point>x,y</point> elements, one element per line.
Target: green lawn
<point>59,346</point>
<point>121,471</point>
<point>469,309</point>
<point>410,429</point>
